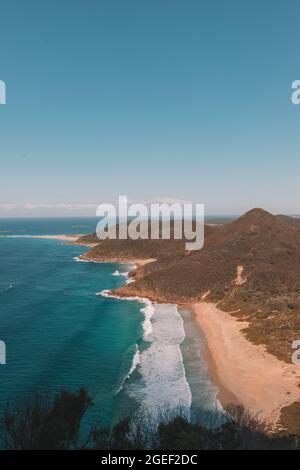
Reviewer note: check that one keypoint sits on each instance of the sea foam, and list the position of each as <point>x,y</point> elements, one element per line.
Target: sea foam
<point>162,384</point>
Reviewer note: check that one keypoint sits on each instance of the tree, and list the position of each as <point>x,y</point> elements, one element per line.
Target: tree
<point>45,422</point>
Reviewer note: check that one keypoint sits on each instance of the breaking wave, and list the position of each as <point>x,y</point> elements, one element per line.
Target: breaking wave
<point>134,364</point>
<point>162,383</point>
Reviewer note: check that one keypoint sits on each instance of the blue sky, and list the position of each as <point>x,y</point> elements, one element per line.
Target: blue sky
<point>153,99</point>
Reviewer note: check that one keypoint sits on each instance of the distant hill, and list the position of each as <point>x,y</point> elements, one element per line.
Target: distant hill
<point>137,249</point>
<point>294,221</point>
<point>220,220</point>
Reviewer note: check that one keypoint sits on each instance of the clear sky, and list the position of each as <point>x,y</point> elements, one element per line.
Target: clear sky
<point>179,99</point>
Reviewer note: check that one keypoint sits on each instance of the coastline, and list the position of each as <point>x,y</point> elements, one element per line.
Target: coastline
<point>244,372</point>
<point>162,385</point>
<point>65,238</point>
<point>136,262</point>
<point>203,389</point>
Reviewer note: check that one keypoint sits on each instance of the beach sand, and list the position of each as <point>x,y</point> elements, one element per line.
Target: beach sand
<point>65,238</point>
<point>245,373</point>
<point>137,262</point>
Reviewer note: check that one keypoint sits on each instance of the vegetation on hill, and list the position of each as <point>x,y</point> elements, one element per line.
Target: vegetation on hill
<point>251,267</point>
<point>128,249</point>
<point>294,221</point>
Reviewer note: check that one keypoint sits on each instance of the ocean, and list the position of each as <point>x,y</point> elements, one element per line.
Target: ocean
<point>62,331</point>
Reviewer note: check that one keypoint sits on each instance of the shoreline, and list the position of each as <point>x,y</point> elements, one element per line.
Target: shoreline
<point>203,367</point>
<point>66,238</point>
<point>137,262</point>
<point>149,309</point>
<point>244,372</point>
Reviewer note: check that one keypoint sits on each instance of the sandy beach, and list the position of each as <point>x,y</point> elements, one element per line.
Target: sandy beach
<point>137,262</point>
<point>244,372</point>
<point>65,238</point>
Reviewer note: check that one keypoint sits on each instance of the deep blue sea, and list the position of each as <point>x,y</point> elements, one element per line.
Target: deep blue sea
<point>59,332</point>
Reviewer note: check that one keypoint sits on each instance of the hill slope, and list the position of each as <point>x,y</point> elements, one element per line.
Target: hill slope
<point>138,249</point>
<point>250,266</point>
<point>294,221</point>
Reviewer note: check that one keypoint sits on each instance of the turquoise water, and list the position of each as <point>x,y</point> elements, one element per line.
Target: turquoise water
<point>59,332</point>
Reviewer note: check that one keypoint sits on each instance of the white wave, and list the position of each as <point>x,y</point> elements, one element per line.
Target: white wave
<point>134,364</point>
<point>77,258</point>
<point>118,273</point>
<point>162,384</point>
<point>106,293</point>
<point>147,310</point>
<point>125,274</point>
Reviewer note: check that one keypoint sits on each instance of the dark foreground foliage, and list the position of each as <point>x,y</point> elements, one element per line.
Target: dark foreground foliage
<point>47,421</point>
<point>44,422</point>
